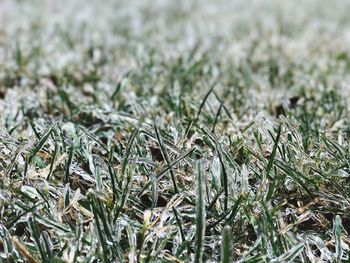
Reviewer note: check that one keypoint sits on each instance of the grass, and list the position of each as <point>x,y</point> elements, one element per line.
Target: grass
<point>195,131</point>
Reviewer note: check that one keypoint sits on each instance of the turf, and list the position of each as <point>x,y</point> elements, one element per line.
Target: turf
<point>174,131</point>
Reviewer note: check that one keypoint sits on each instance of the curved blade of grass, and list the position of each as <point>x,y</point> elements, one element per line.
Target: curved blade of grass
<point>273,154</point>
<point>204,100</point>
<point>128,150</point>
<point>166,156</point>
<point>112,174</point>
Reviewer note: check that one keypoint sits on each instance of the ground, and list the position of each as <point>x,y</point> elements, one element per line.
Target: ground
<point>174,131</point>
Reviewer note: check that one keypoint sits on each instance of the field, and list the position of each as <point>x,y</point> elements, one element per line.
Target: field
<point>174,131</point>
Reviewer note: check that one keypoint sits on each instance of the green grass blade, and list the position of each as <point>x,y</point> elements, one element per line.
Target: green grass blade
<point>200,213</point>
<point>166,156</point>
<point>226,245</point>
<point>273,153</point>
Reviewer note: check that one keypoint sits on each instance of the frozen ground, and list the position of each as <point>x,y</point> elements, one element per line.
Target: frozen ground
<point>174,131</point>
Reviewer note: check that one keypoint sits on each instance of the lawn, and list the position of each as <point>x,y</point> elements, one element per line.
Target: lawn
<point>174,131</point>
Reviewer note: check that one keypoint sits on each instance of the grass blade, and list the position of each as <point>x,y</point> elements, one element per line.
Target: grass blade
<point>200,213</point>
<point>226,245</point>
<point>166,156</point>
<point>337,237</point>
<point>273,153</point>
